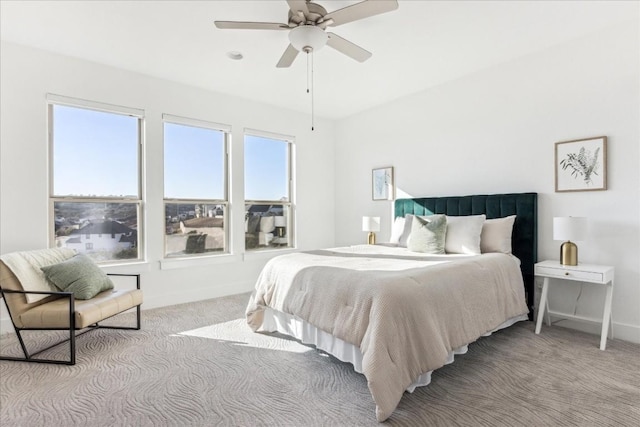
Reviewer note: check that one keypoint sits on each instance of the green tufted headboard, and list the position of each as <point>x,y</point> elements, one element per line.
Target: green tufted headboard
<point>524,241</point>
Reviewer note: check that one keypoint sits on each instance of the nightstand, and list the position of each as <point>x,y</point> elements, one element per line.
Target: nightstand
<point>588,273</point>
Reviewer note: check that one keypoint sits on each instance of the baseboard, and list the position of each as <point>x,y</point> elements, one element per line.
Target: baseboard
<point>626,332</point>
<point>182,297</point>
<point>621,331</point>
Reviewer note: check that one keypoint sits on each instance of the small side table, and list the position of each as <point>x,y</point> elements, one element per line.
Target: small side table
<point>589,273</point>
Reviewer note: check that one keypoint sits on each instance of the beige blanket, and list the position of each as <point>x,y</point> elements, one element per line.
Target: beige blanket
<point>26,266</point>
<point>405,315</point>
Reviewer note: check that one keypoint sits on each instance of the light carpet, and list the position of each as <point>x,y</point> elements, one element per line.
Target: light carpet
<point>199,365</point>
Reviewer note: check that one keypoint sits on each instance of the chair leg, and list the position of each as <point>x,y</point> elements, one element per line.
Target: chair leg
<point>24,348</point>
<point>72,332</point>
<point>136,327</point>
<point>138,318</point>
<point>72,346</point>
<point>30,357</point>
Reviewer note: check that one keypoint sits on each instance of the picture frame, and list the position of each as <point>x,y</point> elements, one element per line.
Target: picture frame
<point>581,164</point>
<point>382,183</point>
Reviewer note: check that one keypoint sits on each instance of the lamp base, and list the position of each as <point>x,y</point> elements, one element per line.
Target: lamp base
<point>371,238</point>
<point>568,253</point>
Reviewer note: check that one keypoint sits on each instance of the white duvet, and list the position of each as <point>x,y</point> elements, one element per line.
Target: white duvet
<point>406,312</point>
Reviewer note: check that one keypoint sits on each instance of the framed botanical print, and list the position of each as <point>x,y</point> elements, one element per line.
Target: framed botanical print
<point>581,164</point>
<point>382,183</point>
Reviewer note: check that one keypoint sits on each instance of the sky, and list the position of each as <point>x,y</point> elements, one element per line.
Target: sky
<point>265,168</point>
<point>96,153</point>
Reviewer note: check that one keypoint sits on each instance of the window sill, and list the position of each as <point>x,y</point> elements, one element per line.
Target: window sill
<point>267,253</point>
<point>129,267</point>
<point>168,264</point>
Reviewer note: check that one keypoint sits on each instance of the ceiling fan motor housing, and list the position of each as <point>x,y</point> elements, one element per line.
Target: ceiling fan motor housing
<point>316,12</point>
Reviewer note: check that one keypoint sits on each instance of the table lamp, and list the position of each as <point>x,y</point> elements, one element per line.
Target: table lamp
<point>371,224</point>
<point>569,228</point>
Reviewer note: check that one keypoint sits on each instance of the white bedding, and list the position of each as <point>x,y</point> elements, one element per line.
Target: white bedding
<point>402,314</point>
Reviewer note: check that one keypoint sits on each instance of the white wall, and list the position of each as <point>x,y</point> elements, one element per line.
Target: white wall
<point>27,75</point>
<point>494,132</point>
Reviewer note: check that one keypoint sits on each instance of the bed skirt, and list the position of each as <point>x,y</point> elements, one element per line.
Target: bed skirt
<point>276,321</point>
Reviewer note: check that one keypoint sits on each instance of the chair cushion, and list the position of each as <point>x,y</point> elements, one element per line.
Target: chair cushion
<point>55,314</point>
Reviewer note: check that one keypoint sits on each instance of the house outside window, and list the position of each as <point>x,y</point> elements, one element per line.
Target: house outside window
<point>196,204</point>
<point>95,155</point>
<point>268,180</point>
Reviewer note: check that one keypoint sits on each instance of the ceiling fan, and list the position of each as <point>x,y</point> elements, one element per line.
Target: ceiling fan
<point>307,24</point>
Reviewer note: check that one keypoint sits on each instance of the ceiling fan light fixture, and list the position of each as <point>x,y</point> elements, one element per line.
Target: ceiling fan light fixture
<point>307,36</point>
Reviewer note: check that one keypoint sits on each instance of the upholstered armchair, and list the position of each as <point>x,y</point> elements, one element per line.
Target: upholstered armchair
<point>57,289</point>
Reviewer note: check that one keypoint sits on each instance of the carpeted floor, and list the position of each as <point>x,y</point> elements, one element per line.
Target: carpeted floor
<point>197,365</point>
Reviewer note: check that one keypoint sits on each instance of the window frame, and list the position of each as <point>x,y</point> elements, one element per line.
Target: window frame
<point>139,201</point>
<point>290,203</point>
<point>203,124</point>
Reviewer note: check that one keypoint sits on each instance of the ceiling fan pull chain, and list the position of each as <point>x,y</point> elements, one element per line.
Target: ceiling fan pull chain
<point>312,94</point>
<point>307,52</point>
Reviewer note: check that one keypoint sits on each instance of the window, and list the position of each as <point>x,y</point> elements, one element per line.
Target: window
<point>195,187</point>
<point>95,185</point>
<point>268,189</point>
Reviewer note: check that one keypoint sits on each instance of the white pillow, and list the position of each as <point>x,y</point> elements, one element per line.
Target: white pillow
<point>463,234</point>
<point>396,230</point>
<point>496,235</point>
<point>404,237</point>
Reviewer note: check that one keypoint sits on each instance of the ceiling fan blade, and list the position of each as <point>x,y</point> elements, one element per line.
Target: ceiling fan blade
<point>361,10</point>
<point>287,57</point>
<point>298,6</point>
<point>238,25</point>
<point>350,49</point>
<point>324,23</point>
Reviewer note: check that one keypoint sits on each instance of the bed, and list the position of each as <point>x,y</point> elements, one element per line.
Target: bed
<point>397,314</point>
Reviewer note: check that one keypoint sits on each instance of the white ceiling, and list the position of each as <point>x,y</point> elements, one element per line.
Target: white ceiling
<point>417,46</point>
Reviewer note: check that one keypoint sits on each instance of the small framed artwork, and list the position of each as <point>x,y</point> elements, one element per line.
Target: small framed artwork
<point>382,183</point>
<point>581,164</point>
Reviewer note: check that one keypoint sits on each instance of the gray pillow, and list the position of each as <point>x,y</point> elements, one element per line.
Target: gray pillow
<point>79,275</point>
<point>428,234</point>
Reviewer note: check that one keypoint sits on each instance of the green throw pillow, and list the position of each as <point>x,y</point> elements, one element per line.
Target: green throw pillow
<point>79,275</point>
<point>428,234</point>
